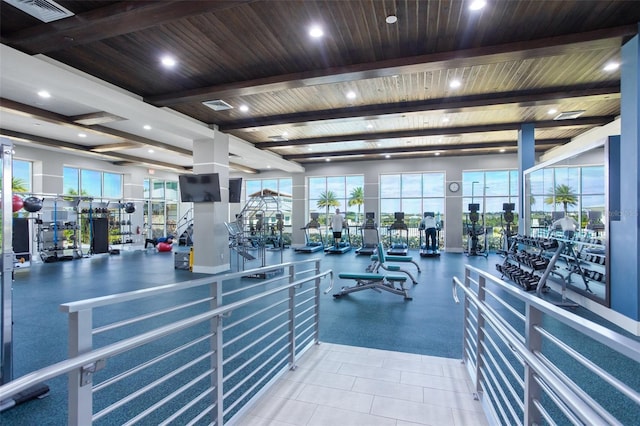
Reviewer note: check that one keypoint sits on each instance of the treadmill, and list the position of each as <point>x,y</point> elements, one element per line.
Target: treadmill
<point>398,244</point>
<point>312,236</point>
<point>369,234</point>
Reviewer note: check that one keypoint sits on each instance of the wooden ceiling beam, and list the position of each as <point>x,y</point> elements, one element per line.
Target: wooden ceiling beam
<point>609,38</point>
<point>39,140</point>
<point>120,18</point>
<point>63,120</point>
<point>423,149</point>
<point>458,103</point>
<point>586,121</point>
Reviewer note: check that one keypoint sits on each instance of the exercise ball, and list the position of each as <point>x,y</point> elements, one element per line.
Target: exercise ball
<point>164,247</point>
<point>129,207</point>
<point>16,203</point>
<point>32,204</point>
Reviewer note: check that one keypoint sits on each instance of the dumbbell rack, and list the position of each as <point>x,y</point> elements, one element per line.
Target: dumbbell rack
<point>530,266</point>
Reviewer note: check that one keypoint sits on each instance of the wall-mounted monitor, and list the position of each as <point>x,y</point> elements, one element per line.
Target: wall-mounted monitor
<point>235,190</point>
<point>204,188</point>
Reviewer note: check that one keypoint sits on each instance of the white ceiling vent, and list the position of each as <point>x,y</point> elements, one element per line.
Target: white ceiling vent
<point>569,115</point>
<point>218,105</point>
<point>44,10</point>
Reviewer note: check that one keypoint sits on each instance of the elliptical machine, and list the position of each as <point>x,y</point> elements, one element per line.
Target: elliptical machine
<point>507,217</point>
<point>475,247</point>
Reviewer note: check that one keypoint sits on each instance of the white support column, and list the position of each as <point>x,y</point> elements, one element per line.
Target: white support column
<point>210,236</point>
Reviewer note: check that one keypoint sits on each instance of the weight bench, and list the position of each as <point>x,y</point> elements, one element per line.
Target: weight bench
<point>374,282</point>
<point>380,261</point>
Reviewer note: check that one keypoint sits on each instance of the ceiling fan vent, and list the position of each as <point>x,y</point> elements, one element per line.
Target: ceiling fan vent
<point>44,10</point>
<point>569,115</point>
<point>218,105</point>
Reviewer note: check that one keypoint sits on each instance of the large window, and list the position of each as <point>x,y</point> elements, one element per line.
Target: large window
<point>490,189</point>
<point>92,183</point>
<point>326,194</point>
<point>161,208</point>
<point>413,194</point>
<point>22,176</point>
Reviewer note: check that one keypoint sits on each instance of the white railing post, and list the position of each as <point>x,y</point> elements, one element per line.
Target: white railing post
<point>465,314</point>
<point>80,385</point>
<point>292,317</point>
<point>215,289</point>
<point>480,334</point>
<point>533,341</point>
<point>316,312</point>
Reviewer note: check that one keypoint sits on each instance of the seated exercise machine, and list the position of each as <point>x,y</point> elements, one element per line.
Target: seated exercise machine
<point>430,226</point>
<point>369,234</point>
<point>380,260</point>
<point>475,247</point>
<point>312,236</point>
<point>342,246</point>
<point>398,244</point>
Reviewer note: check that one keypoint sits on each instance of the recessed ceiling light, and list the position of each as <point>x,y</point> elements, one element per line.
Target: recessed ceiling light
<point>369,126</point>
<point>502,150</point>
<point>316,32</point>
<point>146,127</point>
<point>552,111</point>
<point>351,95</point>
<point>168,61</point>
<point>387,156</point>
<point>82,135</point>
<point>150,151</point>
<point>244,108</point>
<point>477,4</point>
<point>44,94</point>
<point>436,153</point>
<point>445,120</point>
<point>391,19</point>
<point>310,149</point>
<point>285,134</point>
<point>611,66</point>
<point>455,84</point>
<point>327,159</point>
<point>268,166</point>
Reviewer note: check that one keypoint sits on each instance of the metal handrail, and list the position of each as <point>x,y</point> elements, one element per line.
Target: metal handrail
<point>89,360</point>
<point>540,377</point>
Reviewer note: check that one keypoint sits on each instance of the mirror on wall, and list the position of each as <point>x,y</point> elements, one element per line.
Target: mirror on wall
<point>566,198</point>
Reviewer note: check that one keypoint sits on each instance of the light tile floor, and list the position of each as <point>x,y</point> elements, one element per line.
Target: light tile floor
<point>338,385</point>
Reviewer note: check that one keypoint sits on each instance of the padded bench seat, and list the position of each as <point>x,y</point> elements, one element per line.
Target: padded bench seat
<point>371,277</point>
<point>392,258</point>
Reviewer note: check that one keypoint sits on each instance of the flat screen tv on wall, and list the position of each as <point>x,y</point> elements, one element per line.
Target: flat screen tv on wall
<point>235,190</point>
<point>204,188</point>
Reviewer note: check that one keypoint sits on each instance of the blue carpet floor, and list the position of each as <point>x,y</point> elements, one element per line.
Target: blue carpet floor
<point>430,324</point>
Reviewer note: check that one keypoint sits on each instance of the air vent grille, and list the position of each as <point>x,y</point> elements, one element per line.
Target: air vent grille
<point>44,10</point>
<point>218,105</point>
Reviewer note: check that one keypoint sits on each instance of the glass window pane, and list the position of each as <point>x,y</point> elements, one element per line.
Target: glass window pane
<point>91,183</point>
<point>317,186</point>
<point>471,183</point>
<point>513,185</point>
<point>286,186</point>
<point>22,176</point>
<point>388,206</point>
<point>157,190</point>
<point>336,184</point>
<point>389,186</point>
<point>252,187</point>
<point>593,180</point>
<point>112,185</point>
<point>433,185</point>
<point>496,183</point>
<point>70,181</point>
<point>145,185</point>
<point>411,185</point>
<point>271,184</point>
<point>172,191</point>
<point>569,176</point>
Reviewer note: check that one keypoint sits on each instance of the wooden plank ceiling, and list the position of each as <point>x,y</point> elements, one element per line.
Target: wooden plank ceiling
<point>515,61</point>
